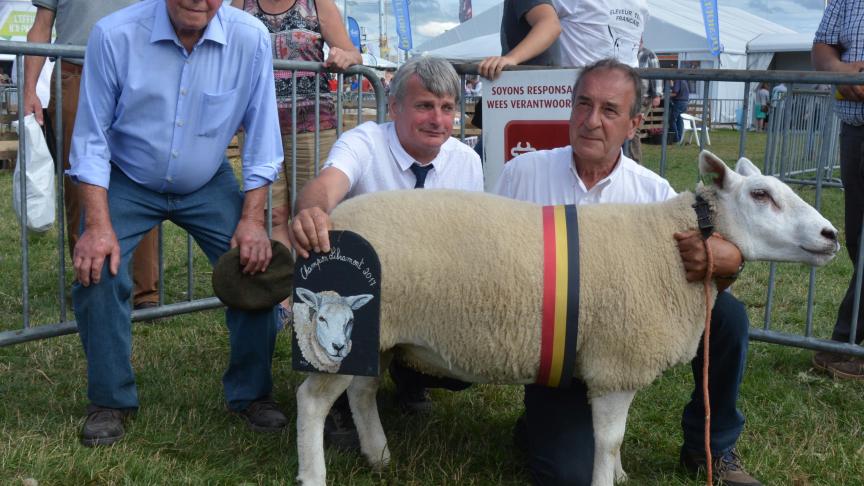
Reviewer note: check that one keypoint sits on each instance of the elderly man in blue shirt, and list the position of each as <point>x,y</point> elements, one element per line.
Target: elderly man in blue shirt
<point>166,84</point>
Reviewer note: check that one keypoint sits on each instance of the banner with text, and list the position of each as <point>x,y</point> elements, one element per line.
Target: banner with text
<point>403,24</point>
<point>524,111</point>
<point>712,25</point>
<point>354,32</point>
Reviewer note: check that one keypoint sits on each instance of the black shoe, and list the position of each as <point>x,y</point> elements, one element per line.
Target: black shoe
<point>411,395</point>
<point>263,415</point>
<point>339,429</point>
<point>103,426</point>
<point>145,305</point>
<point>727,468</point>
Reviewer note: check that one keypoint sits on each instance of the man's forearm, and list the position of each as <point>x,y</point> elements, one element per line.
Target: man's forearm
<point>314,195</point>
<point>40,32</point>
<point>254,202</point>
<point>825,57</point>
<point>94,200</point>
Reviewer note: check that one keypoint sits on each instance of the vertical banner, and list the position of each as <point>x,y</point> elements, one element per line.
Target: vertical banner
<point>354,32</point>
<point>712,25</point>
<point>465,10</point>
<point>403,24</point>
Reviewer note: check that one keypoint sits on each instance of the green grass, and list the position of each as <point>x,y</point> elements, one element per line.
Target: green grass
<point>802,428</point>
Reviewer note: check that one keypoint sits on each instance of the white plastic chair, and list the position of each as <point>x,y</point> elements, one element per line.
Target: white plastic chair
<point>691,124</point>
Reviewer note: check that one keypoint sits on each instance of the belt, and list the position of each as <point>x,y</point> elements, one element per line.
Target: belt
<point>70,68</point>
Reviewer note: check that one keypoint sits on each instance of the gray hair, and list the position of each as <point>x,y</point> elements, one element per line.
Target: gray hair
<point>611,64</point>
<point>435,74</point>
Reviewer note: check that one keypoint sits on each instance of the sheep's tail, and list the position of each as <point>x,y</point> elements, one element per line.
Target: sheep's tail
<point>705,342</point>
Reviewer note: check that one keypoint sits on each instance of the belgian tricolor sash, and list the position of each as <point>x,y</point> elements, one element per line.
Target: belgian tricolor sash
<point>560,296</point>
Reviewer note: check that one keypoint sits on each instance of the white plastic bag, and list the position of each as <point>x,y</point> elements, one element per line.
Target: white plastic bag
<point>40,178</point>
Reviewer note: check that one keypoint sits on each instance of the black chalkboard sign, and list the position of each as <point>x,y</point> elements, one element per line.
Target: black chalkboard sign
<point>337,303</point>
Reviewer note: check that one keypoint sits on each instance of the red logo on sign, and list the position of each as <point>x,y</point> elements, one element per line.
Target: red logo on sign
<point>522,136</point>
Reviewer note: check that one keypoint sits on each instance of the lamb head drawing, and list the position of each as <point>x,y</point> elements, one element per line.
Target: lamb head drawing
<point>323,323</point>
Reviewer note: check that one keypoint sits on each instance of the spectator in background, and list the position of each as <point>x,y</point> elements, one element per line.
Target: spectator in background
<point>761,107</point>
<point>529,31</point>
<point>839,47</point>
<point>473,87</point>
<point>73,20</point>
<point>593,30</point>
<point>679,98</point>
<point>778,93</point>
<point>652,90</point>
<point>298,31</point>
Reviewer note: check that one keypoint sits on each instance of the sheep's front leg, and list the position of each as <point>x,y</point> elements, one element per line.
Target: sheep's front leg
<point>609,415</point>
<point>364,410</point>
<point>314,399</point>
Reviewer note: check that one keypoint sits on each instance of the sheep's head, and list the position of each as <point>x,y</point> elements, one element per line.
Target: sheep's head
<point>765,218</point>
<point>332,317</point>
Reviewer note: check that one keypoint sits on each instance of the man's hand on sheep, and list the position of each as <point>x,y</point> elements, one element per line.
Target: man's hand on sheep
<point>309,231</point>
<point>727,257</point>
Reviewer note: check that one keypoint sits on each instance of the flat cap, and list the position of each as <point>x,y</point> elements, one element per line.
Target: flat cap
<point>261,291</point>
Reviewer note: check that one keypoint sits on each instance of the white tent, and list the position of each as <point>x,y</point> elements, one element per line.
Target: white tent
<point>674,28</point>
<point>782,52</point>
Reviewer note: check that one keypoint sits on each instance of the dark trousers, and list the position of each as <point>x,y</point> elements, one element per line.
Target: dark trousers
<point>852,174</point>
<point>676,123</point>
<point>560,433</point>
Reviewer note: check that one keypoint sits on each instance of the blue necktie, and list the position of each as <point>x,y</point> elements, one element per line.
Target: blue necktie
<point>420,172</point>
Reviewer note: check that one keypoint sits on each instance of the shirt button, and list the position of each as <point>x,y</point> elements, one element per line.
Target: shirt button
<point>179,123</point>
<point>174,154</point>
<point>169,179</point>
<point>183,91</point>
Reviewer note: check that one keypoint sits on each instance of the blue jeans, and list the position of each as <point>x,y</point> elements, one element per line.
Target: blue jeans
<point>102,310</point>
<point>560,433</point>
<point>676,123</point>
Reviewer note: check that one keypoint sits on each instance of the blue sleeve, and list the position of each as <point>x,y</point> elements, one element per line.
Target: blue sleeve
<point>90,155</point>
<point>262,149</point>
<point>829,28</point>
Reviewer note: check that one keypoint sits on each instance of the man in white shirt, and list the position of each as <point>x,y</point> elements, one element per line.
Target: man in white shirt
<point>415,150</point>
<point>556,430</point>
<point>597,29</point>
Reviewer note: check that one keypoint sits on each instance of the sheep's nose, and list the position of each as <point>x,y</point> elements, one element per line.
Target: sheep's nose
<point>830,234</point>
<point>338,347</point>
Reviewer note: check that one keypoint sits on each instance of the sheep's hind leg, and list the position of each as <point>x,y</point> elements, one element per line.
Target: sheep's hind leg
<point>609,415</point>
<point>314,399</point>
<point>364,410</point>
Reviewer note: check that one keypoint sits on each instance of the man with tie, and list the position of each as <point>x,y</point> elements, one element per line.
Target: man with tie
<point>415,150</point>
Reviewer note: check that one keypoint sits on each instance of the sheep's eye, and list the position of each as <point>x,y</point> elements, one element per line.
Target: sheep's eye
<point>760,195</point>
<point>349,323</point>
<point>321,319</point>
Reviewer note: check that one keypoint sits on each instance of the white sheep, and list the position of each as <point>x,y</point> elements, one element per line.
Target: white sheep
<point>462,286</point>
<point>323,325</point>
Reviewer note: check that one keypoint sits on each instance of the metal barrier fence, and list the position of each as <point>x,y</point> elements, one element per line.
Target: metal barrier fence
<point>65,325</point>
<point>806,340</point>
<point>798,126</point>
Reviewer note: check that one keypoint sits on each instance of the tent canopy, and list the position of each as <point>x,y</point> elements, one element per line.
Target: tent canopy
<point>674,26</point>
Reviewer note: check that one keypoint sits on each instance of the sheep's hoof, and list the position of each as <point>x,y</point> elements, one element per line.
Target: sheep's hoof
<point>379,463</point>
<point>620,476</point>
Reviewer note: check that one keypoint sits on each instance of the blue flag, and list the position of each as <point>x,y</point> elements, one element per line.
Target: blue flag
<point>712,25</point>
<point>403,24</point>
<point>354,32</point>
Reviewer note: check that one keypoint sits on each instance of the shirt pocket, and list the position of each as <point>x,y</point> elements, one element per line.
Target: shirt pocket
<point>216,110</point>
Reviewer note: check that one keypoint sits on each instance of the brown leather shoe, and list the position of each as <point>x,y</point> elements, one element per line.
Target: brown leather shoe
<point>727,468</point>
<point>263,415</point>
<point>103,426</point>
<point>839,365</point>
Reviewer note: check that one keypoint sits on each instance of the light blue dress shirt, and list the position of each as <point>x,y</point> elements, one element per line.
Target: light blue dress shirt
<point>164,116</point>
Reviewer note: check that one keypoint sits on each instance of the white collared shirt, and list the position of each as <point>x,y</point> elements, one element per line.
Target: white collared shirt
<point>548,177</point>
<point>374,160</point>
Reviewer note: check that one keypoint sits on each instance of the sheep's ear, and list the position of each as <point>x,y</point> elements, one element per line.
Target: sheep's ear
<point>309,297</point>
<point>747,168</point>
<point>713,169</point>
<point>357,301</point>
